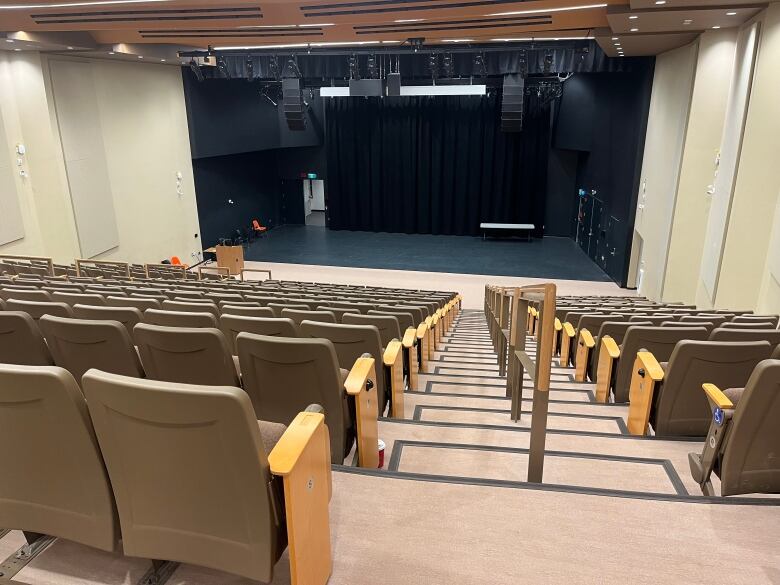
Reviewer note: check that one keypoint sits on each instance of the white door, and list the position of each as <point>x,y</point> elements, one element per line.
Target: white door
<point>307,197</point>
<point>318,195</point>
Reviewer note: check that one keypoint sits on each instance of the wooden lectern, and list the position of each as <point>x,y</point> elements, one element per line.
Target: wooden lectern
<point>231,257</point>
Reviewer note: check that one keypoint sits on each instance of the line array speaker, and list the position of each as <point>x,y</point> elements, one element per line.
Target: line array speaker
<point>512,101</point>
<point>292,102</point>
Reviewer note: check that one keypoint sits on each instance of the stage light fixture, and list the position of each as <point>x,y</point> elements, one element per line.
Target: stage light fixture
<point>433,63</point>
<point>373,71</point>
<point>354,67</point>
<point>250,69</point>
<point>448,65</point>
<point>196,70</point>
<point>223,68</point>
<point>273,65</point>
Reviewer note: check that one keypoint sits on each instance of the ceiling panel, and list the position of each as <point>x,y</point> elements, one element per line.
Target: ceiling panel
<point>682,20</point>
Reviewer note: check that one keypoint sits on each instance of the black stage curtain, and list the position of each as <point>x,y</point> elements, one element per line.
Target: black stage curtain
<point>433,165</point>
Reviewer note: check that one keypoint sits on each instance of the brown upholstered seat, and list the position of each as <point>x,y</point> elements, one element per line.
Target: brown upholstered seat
<point>191,307</point>
<point>139,303</point>
<point>278,307</point>
<point>756,318</point>
<point>53,479</point>
<point>190,472</point>
<point>188,355</point>
<point>232,325</point>
<point>78,298</point>
<point>387,325</point>
<point>337,311</point>
<point>405,319</point>
<point>25,295</point>
<point>748,325</point>
<point>617,331</point>
<point>180,318</point>
<point>127,316</point>
<point>680,406</point>
<point>297,316</point>
<point>37,309</point>
<point>21,341</point>
<point>729,334</point>
<point>248,311</point>
<point>79,344</point>
<point>283,375</point>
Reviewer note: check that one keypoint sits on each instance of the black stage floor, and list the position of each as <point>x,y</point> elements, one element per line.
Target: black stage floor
<point>558,258</point>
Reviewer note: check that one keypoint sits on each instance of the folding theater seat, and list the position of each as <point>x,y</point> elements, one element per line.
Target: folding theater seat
<point>756,318</point>
<point>187,295</point>
<point>191,307</point>
<point>731,334</point>
<point>351,342</point>
<point>387,325</point>
<point>180,318</point>
<point>139,303</point>
<point>232,325</point>
<point>668,397</point>
<point>750,325</point>
<point>78,298</point>
<point>247,311</point>
<point>614,374</point>
<point>25,294</point>
<point>278,307</point>
<point>187,355</point>
<point>224,296</point>
<point>297,316</point>
<point>587,326</point>
<point>715,319</point>
<point>79,344</point>
<point>54,482</point>
<point>37,309</point>
<point>281,374</point>
<point>198,479</point>
<point>743,439</point>
<point>21,341</point>
<point>127,316</point>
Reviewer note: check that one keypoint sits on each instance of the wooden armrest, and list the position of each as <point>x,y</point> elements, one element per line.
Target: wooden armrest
<point>428,322</point>
<point>534,312</point>
<point>568,329</point>
<point>302,459</point>
<point>421,329</point>
<point>717,397</point>
<point>361,384</point>
<point>586,338</point>
<point>394,360</point>
<point>650,365</point>
<point>409,337</point>
<point>558,325</point>
<point>612,349</point>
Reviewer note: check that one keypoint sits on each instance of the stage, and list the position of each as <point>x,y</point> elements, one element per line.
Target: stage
<point>547,258</point>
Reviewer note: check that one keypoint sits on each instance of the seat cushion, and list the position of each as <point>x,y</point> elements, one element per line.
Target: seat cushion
<point>270,433</point>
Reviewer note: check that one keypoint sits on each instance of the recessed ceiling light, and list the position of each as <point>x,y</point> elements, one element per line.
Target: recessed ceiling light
<point>687,21</point>
<point>546,10</point>
<point>615,38</point>
<point>409,20</point>
<point>17,49</point>
<point>660,2</point>
<point>74,4</point>
<point>310,25</point>
<point>716,26</point>
<point>162,60</point>
<point>457,40</point>
<point>731,14</point>
<point>634,17</point>
<point>111,52</point>
<point>634,30</point>
<point>69,48</point>
<point>528,39</point>
<point>9,40</point>
<point>391,42</point>
<point>140,56</point>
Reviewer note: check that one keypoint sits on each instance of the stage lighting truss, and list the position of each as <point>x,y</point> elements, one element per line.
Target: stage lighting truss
<point>250,69</point>
<point>196,70</point>
<point>223,68</point>
<point>354,67</point>
<point>448,65</point>
<point>433,64</point>
<point>372,66</point>
<point>273,65</point>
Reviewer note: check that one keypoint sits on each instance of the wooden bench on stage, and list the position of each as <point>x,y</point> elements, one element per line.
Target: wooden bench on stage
<point>507,228</point>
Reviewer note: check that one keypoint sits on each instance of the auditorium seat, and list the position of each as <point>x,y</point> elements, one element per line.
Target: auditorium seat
<point>247,311</point>
<point>191,307</point>
<point>127,316</point>
<point>281,374</point>
<point>232,325</point>
<point>53,481</point>
<point>588,325</point>
<point>743,439</point>
<point>756,318</point>
<point>189,355</point>
<point>278,307</point>
<point>175,449</point>
<point>406,319</point>
<point>37,309</point>
<point>79,344</point>
<point>180,318</point>
<point>337,311</point>
<point>387,325</point>
<point>25,294</point>
<point>139,303</point>
<point>21,341</point>
<point>730,334</point>
<point>187,295</point>
<point>79,298</point>
<point>714,319</point>
<point>751,325</point>
<point>674,405</point>
<point>297,316</point>
<point>614,374</point>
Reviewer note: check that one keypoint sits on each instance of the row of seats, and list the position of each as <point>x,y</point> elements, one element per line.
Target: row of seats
<point>668,362</point>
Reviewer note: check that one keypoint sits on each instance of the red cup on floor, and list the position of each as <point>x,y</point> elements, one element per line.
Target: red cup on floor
<point>381,454</point>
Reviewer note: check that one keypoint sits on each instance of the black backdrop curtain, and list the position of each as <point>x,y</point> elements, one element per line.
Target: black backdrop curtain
<point>437,165</point>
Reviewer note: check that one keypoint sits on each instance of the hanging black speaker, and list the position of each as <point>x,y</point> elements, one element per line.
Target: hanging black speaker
<point>292,102</point>
<point>512,101</point>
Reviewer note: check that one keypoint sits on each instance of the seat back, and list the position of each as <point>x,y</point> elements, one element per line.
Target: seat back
<point>21,341</point>
<point>298,316</point>
<point>277,307</point>
<point>78,298</point>
<point>180,318</point>
<point>681,408</point>
<point>405,318</point>
<point>256,311</point>
<point>655,320</point>
<point>188,355</point>
<point>750,463</point>
<point>337,311</point>
<point>716,320</point>
<point>53,479</point>
<point>729,334</point>
<point>127,316</point>
<point>350,343</point>
<point>756,318</point>
<point>283,375</point>
<point>750,325</point>
<point>139,303</point>
<point>387,325</point>
<point>660,341</point>
<point>232,325</point>
<point>420,312</point>
<point>593,322</point>
<point>79,344</point>
<point>37,309</point>
<point>617,331</point>
<point>191,307</point>
<point>24,295</point>
<point>190,473</point>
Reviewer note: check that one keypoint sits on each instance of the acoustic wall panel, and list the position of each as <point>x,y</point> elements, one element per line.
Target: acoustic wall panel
<point>11,226</point>
<point>731,146</point>
<point>81,135</point>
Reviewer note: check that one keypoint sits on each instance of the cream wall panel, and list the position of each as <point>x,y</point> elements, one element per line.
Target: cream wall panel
<point>666,128</point>
<point>744,264</point>
<point>731,146</point>
<point>81,137</point>
<point>705,128</point>
<point>11,226</point>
